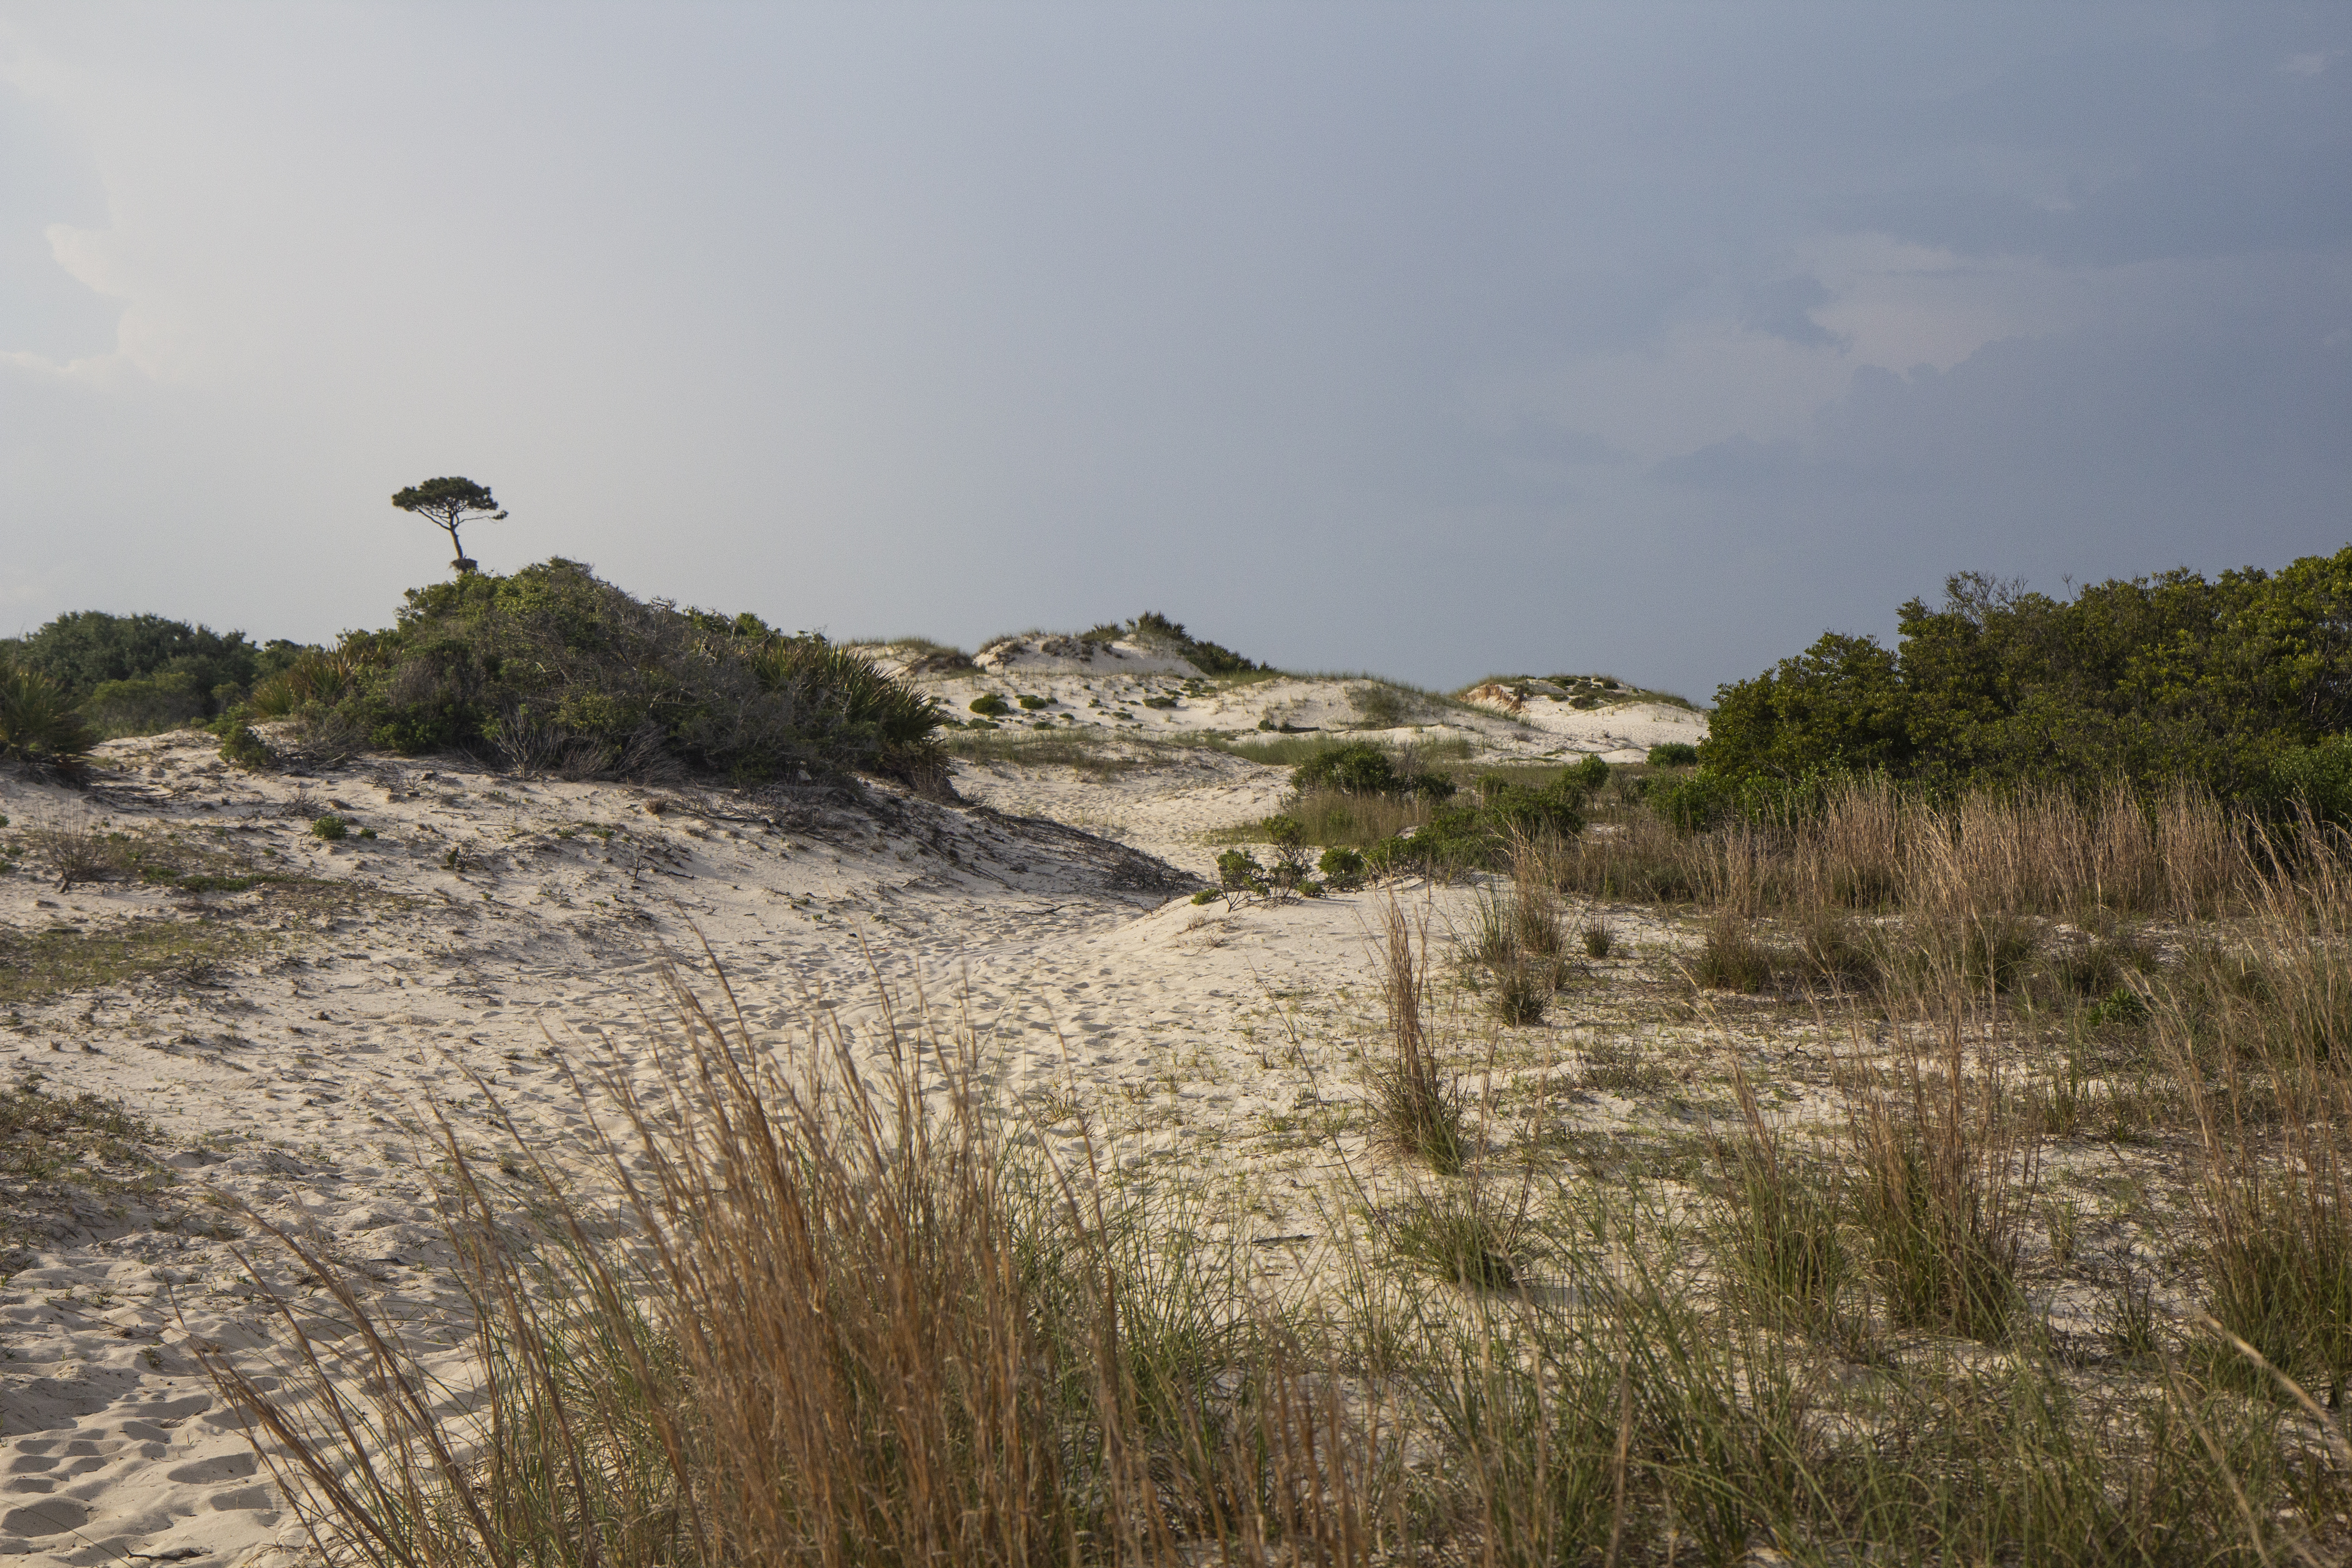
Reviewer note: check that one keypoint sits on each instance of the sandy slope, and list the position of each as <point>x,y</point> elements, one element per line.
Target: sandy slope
<point>500,927</point>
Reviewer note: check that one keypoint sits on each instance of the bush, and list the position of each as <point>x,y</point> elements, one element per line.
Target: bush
<point>1591,773</point>
<point>241,747</point>
<point>138,674</point>
<point>1343,867</point>
<point>1358,767</point>
<point>330,827</point>
<point>148,704</point>
<point>1032,703</point>
<point>989,705</point>
<point>551,669</point>
<point>1239,872</point>
<point>1673,754</point>
<point>38,722</point>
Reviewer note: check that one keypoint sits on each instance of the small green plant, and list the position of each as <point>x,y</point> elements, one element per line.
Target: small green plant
<point>1598,940</point>
<point>1239,872</point>
<point>1522,992</point>
<point>1033,704</point>
<point>1673,754</point>
<point>330,827</point>
<point>989,705</point>
<point>367,833</point>
<point>1159,702</point>
<point>1205,896</point>
<point>242,748</point>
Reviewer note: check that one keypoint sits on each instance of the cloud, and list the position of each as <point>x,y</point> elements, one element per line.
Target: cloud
<point>2303,65</point>
<point>1784,309</point>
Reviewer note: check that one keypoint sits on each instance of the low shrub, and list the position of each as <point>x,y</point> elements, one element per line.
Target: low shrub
<point>989,705</point>
<point>242,748</point>
<point>1591,773</point>
<point>1239,872</point>
<point>330,827</point>
<point>1673,754</point>
<point>1343,867</point>
<point>1033,704</point>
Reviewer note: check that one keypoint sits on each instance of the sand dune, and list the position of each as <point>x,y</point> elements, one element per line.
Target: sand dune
<point>294,1047</point>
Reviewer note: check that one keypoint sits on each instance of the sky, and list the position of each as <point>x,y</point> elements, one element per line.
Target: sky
<point>1435,341</point>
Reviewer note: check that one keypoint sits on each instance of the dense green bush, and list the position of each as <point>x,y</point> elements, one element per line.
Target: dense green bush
<point>2238,683</point>
<point>552,669</point>
<point>1673,754</point>
<point>989,705</point>
<point>39,723</point>
<point>134,675</point>
<point>1360,767</point>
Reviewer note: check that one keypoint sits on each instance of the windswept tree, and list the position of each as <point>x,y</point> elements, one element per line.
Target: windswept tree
<point>448,502</point>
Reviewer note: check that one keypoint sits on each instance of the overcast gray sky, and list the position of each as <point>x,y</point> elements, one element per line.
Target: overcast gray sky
<point>1432,339</point>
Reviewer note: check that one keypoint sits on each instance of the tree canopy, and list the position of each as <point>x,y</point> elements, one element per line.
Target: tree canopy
<point>448,502</point>
<point>2148,679</point>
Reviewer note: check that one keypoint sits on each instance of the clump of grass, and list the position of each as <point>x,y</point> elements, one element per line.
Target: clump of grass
<point>1783,1252</point>
<point>1417,1107</point>
<point>1836,951</point>
<point>1457,1237</point>
<point>1944,1180</point>
<point>1732,958</point>
<point>1598,940</point>
<point>1522,993</point>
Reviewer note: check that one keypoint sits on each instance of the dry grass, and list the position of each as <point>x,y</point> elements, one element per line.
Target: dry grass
<point>1416,1106</point>
<point>1871,847</point>
<point>838,1323</point>
<point>849,1326</point>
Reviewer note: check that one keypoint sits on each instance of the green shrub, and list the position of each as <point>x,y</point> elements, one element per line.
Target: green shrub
<point>1205,896</point>
<point>38,722</point>
<point>243,748</point>
<point>1343,867</point>
<point>1159,702</point>
<point>1033,704</point>
<point>330,827</point>
<point>1239,872</point>
<point>1358,767</point>
<point>550,668</point>
<point>1591,773</point>
<point>1673,754</point>
<point>148,704</point>
<point>989,705</point>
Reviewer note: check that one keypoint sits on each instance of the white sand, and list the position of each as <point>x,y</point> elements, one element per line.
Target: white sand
<point>1203,1043</point>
